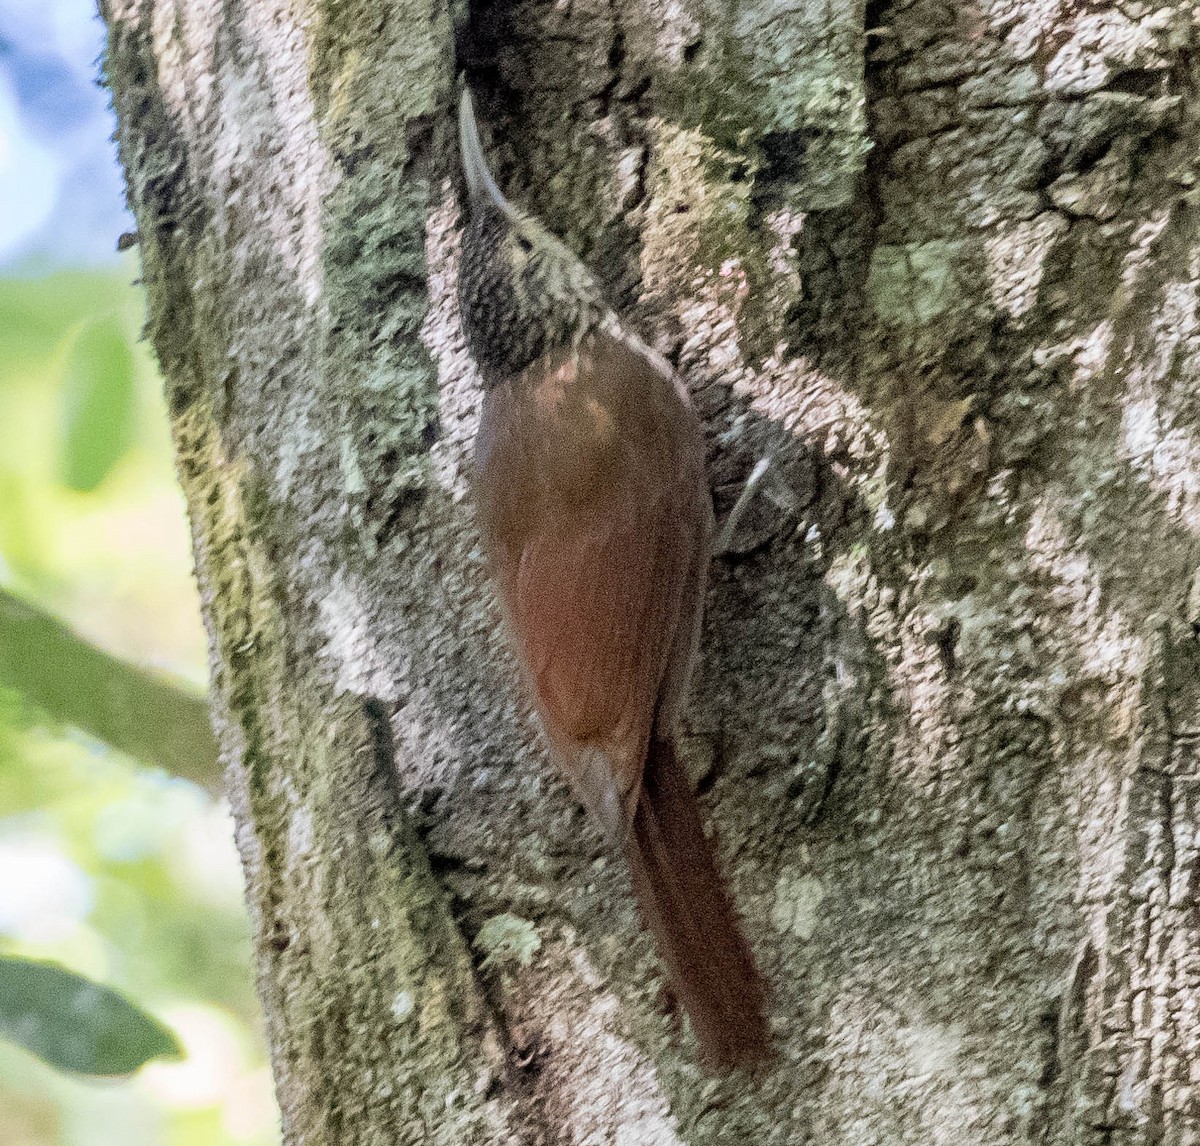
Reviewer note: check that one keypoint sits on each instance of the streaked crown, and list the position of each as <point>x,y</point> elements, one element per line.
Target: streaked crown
<point>521,291</point>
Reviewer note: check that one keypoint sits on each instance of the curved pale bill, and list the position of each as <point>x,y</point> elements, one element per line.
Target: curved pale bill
<point>479,179</point>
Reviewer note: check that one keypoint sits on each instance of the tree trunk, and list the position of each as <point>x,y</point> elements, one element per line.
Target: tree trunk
<point>946,717</point>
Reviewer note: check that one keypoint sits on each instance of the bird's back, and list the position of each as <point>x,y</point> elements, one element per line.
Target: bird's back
<point>595,515</point>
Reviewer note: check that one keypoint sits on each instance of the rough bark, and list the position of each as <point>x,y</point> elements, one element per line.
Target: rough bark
<point>947,710</point>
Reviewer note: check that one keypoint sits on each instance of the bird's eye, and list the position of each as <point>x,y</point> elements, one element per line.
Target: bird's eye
<point>524,244</point>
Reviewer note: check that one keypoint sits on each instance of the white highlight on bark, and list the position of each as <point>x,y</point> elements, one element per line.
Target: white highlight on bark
<point>1158,436</point>
<point>1167,456</point>
<point>786,225</point>
<point>459,390</point>
<point>1090,354</point>
<point>924,747</point>
<point>403,1004</point>
<point>302,872</point>
<point>928,747</point>
<point>612,1095</point>
<point>184,46</point>
<point>1104,43</point>
<point>678,26</point>
<point>1023,23</point>
<point>890,1053</point>
<point>303,173</point>
<point>301,443</point>
<point>300,834</point>
<point>347,625</point>
<point>798,897</point>
<point>1104,641</point>
<point>1141,247</point>
<point>253,106</point>
<point>1016,256</point>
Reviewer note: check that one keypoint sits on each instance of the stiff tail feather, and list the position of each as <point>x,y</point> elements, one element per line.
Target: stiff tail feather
<point>688,909</point>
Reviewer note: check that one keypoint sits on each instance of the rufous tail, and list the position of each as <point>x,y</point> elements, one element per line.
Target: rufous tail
<point>688,910</point>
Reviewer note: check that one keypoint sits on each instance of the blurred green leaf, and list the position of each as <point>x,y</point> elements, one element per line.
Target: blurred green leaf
<point>98,404</point>
<point>37,312</point>
<point>74,1023</point>
<point>134,711</point>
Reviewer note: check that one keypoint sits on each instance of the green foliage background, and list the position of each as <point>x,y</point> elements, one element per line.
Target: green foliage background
<point>114,869</point>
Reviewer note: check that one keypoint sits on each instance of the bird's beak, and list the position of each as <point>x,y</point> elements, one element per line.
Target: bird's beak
<point>479,179</point>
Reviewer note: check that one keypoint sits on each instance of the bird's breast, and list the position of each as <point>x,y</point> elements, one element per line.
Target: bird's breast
<point>564,436</point>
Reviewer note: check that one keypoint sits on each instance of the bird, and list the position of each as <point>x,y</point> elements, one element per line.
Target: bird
<point>596,522</point>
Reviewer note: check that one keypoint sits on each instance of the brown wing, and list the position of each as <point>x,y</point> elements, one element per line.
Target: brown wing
<point>595,511</point>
